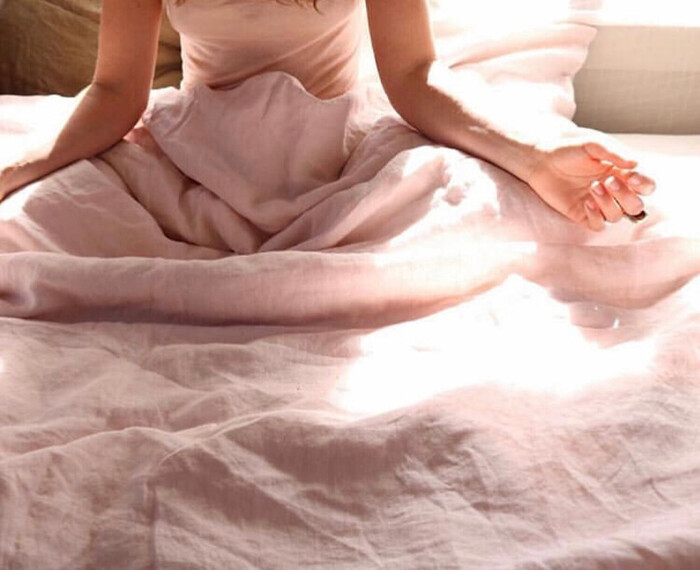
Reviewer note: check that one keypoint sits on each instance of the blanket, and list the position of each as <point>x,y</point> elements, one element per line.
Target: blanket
<point>305,336</point>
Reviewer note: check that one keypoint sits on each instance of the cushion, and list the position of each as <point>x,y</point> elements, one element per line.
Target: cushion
<point>530,61</point>
<point>32,31</point>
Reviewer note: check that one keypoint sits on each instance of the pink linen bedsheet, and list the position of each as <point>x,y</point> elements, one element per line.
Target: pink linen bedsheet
<point>410,362</point>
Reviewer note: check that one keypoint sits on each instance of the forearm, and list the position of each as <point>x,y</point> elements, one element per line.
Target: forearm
<point>463,112</point>
<point>98,119</point>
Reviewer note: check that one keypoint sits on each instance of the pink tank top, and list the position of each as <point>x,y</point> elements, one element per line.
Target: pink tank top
<point>227,41</point>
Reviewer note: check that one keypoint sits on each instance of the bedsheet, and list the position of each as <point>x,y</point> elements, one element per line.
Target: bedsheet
<point>409,361</point>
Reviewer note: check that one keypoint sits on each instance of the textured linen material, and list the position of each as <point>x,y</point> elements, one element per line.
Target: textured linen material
<point>415,364</point>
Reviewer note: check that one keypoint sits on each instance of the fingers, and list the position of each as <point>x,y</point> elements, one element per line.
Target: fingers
<point>617,196</point>
<point>616,199</point>
<point>617,191</point>
<point>635,181</point>
<point>599,152</point>
<point>594,217</point>
<point>606,203</point>
<point>621,167</point>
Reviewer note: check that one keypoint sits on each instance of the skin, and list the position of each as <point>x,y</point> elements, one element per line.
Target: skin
<point>567,170</point>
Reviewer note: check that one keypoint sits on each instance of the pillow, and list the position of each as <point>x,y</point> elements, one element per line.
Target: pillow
<point>531,68</point>
<point>529,59</point>
<point>50,46</point>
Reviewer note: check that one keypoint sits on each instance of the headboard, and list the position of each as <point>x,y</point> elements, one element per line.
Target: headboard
<point>641,78</point>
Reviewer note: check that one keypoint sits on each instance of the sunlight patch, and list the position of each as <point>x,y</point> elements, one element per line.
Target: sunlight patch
<point>12,206</point>
<point>516,337</point>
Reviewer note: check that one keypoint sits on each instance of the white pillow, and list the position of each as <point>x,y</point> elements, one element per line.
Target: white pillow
<point>533,67</point>
<point>530,58</point>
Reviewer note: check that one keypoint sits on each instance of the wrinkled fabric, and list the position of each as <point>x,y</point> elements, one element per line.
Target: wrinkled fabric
<point>363,350</point>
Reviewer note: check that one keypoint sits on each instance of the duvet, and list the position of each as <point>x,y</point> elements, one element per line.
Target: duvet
<point>268,331</point>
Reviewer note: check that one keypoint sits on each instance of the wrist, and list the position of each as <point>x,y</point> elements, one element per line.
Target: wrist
<point>530,159</point>
<point>527,144</point>
<point>560,133</point>
<point>535,164</point>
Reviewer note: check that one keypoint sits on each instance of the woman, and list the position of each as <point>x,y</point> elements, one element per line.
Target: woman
<point>577,174</point>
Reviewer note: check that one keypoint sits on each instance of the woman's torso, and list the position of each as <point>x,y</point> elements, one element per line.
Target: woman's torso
<point>227,41</point>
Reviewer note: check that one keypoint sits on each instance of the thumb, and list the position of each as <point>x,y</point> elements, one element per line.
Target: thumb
<point>599,152</point>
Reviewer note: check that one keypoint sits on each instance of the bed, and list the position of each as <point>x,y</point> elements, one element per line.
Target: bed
<point>397,357</point>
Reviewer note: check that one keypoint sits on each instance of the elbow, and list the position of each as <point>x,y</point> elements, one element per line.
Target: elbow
<point>132,115</point>
<point>394,79</point>
<point>404,88</point>
<point>123,107</point>
<point>134,109</point>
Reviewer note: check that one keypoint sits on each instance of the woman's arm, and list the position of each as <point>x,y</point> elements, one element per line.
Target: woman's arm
<point>463,113</point>
<point>111,105</point>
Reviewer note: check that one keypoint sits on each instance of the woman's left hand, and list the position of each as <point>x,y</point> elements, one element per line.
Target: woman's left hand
<point>581,177</point>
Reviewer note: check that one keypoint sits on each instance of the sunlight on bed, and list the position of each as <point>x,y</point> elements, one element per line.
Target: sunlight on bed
<point>515,336</point>
<point>24,131</point>
<point>14,204</point>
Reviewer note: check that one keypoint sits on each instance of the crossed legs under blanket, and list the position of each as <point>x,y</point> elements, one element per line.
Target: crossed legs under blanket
<point>409,362</point>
